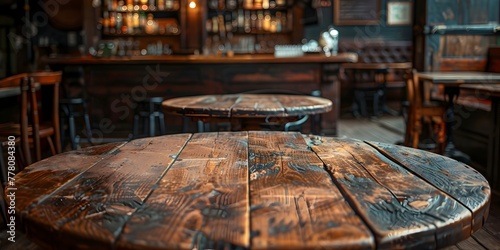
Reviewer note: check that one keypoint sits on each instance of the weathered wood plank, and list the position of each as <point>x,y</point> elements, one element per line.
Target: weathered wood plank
<point>458,180</point>
<point>207,105</point>
<point>294,202</point>
<point>402,210</point>
<point>486,239</point>
<point>469,244</point>
<point>297,106</point>
<point>93,209</point>
<point>450,248</point>
<point>257,105</point>
<point>39,180</point>
<point>202,201</point>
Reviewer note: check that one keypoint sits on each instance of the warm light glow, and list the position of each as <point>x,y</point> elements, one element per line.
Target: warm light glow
<point>192,4</point>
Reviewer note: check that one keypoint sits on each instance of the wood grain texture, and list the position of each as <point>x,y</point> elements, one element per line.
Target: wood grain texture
<point>38,181</point>
<point>294,202</point>
<point>202,201</point>
<point>247,105</point>
<point>456,179</point>
<point>250,190</point>
<point>398,206</point>
<point>94,208</point>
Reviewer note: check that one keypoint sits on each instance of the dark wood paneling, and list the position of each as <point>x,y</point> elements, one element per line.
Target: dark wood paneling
<point>115,84</point>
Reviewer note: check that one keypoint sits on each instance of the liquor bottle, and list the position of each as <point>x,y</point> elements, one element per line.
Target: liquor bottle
<point>105,22</point>
<point>247,25</point>
<point>119,23</point>
<point>234,21</point>
<point>130,23</point>
<point>142,21</point>
<point>152,5</point>
<point>265,4</point>
<point>135,24</point>
<point>257,4</point>
<point>112,23</point>
<point>241,20</point>
<point>213,4</point>
<point>266,23</point>
<point>253,21</point>
<point>228,22</point>
<point>208,25</point>
<point>231,4</point>
<point>260,20</point>
<point>169,4</point>
<point>150,25</point>
<point>248,4</point>
<point>222,4</point>
<point>162,5</point>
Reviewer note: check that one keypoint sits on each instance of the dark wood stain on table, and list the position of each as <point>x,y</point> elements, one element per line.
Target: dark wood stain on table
<point>250,190</point>
<point>247,105</point>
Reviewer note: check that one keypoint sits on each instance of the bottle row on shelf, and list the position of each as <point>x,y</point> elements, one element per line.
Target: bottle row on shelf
<point>248,4</point>
<point>141,5</point>
<point>116,23</point>
<point>245,21</point>
<point>129,47</point>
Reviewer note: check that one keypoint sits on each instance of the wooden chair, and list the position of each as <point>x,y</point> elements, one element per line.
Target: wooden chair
<point>422,111</point>
<point>34,124</point>
<point>12,86</point>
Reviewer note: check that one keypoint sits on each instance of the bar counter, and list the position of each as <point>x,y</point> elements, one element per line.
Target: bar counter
<point>197,59</point>
<point>114,84</point>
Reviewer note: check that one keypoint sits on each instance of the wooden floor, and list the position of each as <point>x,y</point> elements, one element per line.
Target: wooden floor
<point>388,129</point>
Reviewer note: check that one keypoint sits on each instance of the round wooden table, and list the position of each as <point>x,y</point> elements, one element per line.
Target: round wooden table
<point>238,109</point>
<point>249,190</point>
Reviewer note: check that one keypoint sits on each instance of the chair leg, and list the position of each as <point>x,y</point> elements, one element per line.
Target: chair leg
<point>86,119</point>
<point>152,129</point>
<point>201,126</point>
<point>51,144</point>
<point>72,131</point>
<point>161,119</point>
<point>136,126</point>
<point>417,128</point>
<point>376,103</point>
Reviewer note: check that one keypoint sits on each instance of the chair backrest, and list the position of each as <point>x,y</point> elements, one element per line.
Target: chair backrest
<point>12,81</point>
<point>20,81</point>
<point>413,89</point>
<point>42,79</point>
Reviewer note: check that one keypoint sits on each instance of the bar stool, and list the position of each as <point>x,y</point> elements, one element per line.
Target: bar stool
<point>74,105</point>
<point>148,112</point>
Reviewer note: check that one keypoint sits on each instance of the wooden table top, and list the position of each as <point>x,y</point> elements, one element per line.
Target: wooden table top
<point>485,89</point>
<point>459,78</point>
<point>254,190</point>
<point>247,105</point>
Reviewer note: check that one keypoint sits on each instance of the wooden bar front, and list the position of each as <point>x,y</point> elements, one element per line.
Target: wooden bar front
<point>115,84</point>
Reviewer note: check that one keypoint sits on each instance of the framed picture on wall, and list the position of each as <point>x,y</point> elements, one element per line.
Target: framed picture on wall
<point>356,12</point>
<point>399,13</point>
